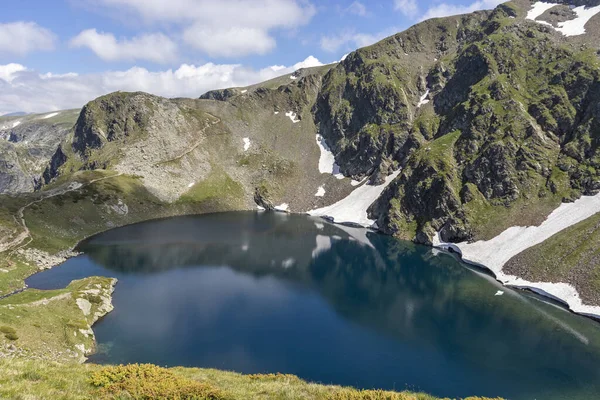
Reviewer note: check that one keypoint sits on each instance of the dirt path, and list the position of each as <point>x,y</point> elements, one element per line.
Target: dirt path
<point>20,217</point>
<point>198,143</point>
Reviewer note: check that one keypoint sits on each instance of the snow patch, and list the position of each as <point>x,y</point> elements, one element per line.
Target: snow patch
<point>191,184</point>
<point>54,114</point>
<point>276,112</point>
<point>16,123</point>
<point>573,27</point>
<point>353,208</point>
<point>244,91</point>
<point>260,208</point>
<point>576,26</point>
<point>320,192</point>
<point>496,252</point>
<point>293,77</point>
<point>327,163</point>
<point>356,183</point>
<point>282,207</point>
<point>538,9</point>
<point>499,293</point>
<point>247,143</point>
<point>423,100</point>
<point>293,116</point>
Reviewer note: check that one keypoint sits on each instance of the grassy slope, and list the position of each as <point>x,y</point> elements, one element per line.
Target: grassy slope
<point>573,252</point>
<point>21,379</point>
<point>49,324</point>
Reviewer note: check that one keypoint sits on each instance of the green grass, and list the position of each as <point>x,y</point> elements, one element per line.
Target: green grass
<point>217,188</point>
<point>25,379</point>
<point>574,251</point>
<point>48,324</point>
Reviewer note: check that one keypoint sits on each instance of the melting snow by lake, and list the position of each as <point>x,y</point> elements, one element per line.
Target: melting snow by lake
<point>282,207</point>
<point>495,253</point>
<point>353,208</point>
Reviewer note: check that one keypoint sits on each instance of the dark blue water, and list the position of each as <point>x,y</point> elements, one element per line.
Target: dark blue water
<point>263,292</point>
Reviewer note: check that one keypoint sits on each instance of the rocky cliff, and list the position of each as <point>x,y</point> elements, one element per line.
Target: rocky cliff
<point>27,142</point>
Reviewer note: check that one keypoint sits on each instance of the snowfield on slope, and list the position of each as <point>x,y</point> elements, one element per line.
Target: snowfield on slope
<point>576,26</point>
<point>573,27</point>
<point>327,164</point>
<point>496,252</point>
<point>353,208</point>
<point>538,9</point>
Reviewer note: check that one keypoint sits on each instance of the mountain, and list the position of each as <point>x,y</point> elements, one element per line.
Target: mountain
<point>455,129</point>
<point>26,144</point>
<point>14,114</point>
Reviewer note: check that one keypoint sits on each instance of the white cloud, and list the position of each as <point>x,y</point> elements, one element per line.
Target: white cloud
<point>154,47</point>
<point>357,8</point>
<point>445,9</point>
<point>308,62</point>
<point>30,91</point>
<point>229,41</point>
<point>24,37</point>
<point>9,72</point>
<point>407,7</point>
<point>225,28</point>
<point>351,40</point>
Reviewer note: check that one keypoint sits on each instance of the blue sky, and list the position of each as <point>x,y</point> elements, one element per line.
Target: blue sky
<point>57,54</point>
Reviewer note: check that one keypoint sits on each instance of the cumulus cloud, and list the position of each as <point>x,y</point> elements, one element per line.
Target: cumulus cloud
<point>224,28</point>
<point>229,41</point>
<point>154,47</point>
<point>24,37</point>
<point>445,9</point>
<point>350,40</point>
<point>357,8</point>
<point>407,7</point>
<point>27,90</point>
<point>9,72</point>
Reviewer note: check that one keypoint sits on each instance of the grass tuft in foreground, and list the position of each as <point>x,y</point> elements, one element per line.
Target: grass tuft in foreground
<point>147,381</point>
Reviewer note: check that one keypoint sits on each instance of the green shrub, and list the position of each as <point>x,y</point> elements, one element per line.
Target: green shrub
<point>147,382</point>
<point>9,333</point>
<point>33,376</point>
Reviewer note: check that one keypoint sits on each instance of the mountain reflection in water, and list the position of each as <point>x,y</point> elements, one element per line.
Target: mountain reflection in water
<point>272,292</point>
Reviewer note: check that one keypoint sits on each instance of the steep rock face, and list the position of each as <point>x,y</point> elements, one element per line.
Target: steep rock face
<point>370,103</point>
<point>522,111</point>
<point>111,118</point>
<point>27,144</point>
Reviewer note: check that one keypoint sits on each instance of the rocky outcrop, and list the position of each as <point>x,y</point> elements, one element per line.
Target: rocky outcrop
<point>57,161</point>
<point>27,144</point>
